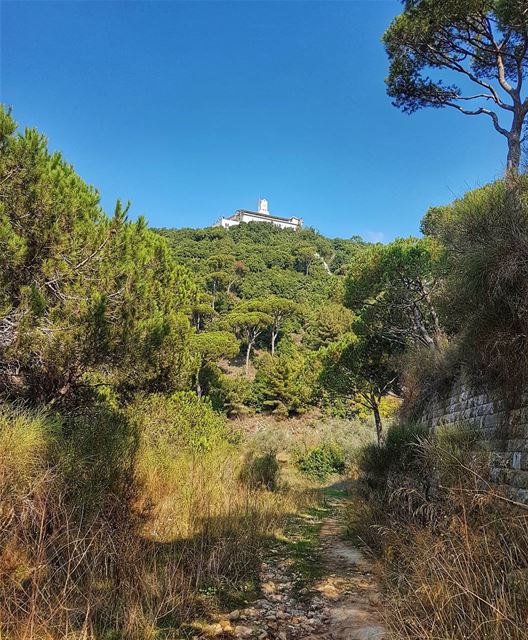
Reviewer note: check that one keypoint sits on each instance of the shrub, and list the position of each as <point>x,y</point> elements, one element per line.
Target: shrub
<point>284,383</point>
<point>321,461</point>
<point>427,374</point>
<point>397,452</point>
<point>231,395</point>
<point>261,471</point>
<point>181,421</point>
<point>484,296</point>
<point>464,578</point>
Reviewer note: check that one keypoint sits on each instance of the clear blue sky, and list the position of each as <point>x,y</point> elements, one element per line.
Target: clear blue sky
<point>193,109</point>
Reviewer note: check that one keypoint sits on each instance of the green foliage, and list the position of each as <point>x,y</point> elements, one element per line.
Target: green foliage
<point>268,261</point>
<point>285,383</point>
<point>261,471</point>
<point>79,291</point>
<point>232,394</point>
<point>361,367</point>
<point>280,310</point>
<point>181,421</point>
<point>97,455</point>
<point>484,41</point>
<point>214,345</point>
<point>321,461</point>
<point>326,324</point>
<point>208,348</point>
<point>247,325</point>
<point>484,293</point>
<point>393,286</point>
<point>267,286</point>
<point>398,452</point>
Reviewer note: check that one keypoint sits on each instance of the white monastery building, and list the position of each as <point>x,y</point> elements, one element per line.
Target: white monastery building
<point>262,215</point>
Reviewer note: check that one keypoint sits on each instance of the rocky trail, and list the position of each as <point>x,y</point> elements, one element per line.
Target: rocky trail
<point>314,585</point>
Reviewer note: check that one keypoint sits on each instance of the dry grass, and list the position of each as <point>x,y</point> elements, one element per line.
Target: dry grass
<point>467,579</point>
<point>454,555</point>
<point>131,558</point>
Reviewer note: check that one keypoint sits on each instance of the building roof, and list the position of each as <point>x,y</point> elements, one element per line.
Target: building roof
<point>264,216</point>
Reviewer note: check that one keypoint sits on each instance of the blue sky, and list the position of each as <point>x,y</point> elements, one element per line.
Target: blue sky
<point>193,109</point>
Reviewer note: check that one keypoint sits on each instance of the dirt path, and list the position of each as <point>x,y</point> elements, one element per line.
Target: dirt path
<point>349,585</point>
<point>314,586</point>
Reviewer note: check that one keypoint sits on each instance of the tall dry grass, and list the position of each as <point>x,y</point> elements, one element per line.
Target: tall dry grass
<point>90,552</point>
<point>453,550</point>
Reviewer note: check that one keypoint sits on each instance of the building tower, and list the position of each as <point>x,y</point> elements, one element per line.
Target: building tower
<point>263,206</point>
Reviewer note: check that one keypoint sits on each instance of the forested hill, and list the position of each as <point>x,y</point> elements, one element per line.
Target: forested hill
<point>257,259</point>
<point>269,304</point>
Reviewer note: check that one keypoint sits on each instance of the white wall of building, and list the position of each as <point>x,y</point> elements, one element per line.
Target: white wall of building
<point>262,216</point>
<point>226,223</point>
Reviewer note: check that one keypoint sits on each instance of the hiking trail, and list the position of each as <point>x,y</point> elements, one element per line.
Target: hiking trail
<point>314,585</point>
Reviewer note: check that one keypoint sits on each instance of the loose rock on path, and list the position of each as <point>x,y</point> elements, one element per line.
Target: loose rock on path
<point>342,603</point>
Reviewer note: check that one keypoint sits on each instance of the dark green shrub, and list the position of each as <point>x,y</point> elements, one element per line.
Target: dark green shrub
<point>321,461</point>
<point>397,453</point>
<point>484,293</point>
<point>231,394</point>
<point>261,471</point>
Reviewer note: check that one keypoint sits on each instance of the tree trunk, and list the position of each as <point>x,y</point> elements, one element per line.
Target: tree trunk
<point>248,353</point>
<point>420,329</point>
<point>273,340</point>
<point>377,420</point>
<point>514,155</point>
<point>514,146</point>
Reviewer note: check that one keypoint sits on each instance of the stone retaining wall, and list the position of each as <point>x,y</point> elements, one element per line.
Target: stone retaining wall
<point>503,430</point>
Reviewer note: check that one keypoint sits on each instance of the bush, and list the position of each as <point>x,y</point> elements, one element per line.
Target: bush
<point>397,452</point>
<point>428,374</point>
<point>484,296</point>
<point>284,383</point>
<point>261,471</point>
<point>231,395</point>
<point>321,461</point>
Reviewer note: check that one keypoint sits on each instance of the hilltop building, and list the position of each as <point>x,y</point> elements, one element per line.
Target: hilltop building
<point>262,215</point>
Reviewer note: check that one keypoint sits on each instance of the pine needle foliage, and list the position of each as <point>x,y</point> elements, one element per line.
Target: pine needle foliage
<point>80,291</point>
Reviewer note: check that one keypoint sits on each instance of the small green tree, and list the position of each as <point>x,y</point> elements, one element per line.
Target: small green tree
<point>210,347</point>
<point>248,325</point>
<point>361,368</point>
<point>285,383</point>
<point>223,272</point>
<point>280,310</point>
<point>202,310</point>
<point>392,286</point>
<point>327,324</point>
<point>305,255</point>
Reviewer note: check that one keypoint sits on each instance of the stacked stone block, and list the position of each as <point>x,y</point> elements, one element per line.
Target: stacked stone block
<point>502,425</point>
